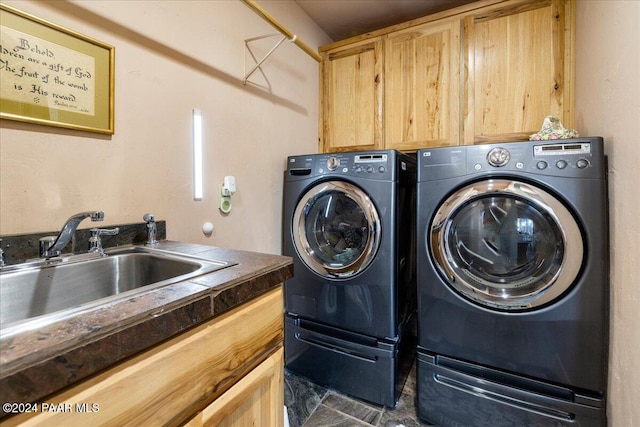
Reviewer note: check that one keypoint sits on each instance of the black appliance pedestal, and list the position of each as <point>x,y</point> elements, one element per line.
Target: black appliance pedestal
<point>364,367</point>
<point>457,393</point>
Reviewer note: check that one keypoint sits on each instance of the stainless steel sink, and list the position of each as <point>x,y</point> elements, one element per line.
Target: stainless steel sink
<point>63,286</point>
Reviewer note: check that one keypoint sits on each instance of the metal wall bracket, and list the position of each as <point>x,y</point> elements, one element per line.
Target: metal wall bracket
<point>260,62</point>
<point>288,35</point>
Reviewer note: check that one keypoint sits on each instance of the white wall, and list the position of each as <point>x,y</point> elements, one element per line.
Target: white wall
<point>608,105</point>
<point>171,57</point>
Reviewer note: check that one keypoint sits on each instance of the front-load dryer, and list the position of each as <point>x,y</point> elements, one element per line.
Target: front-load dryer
<point>513,284</point>
<point>350,307</point>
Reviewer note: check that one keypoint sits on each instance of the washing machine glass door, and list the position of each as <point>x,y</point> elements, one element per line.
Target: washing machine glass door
<point>506,244</point>
<point>336,229</point>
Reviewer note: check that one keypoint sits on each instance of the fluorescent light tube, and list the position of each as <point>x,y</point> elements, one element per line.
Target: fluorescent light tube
<point>197,154</point>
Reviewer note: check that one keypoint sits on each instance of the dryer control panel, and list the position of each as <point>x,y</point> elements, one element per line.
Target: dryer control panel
<point>560,155</point>
<point>576,158</point>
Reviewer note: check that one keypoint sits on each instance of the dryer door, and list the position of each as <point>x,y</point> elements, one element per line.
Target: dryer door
<point>336,229</point>
<point>506,244</point>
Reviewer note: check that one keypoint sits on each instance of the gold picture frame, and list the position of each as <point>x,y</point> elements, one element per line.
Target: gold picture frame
<point>53,76</point>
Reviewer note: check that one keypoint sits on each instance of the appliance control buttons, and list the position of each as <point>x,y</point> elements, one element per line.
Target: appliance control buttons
<point>542,165</point>
<point>477,166</point>
<point>582,163</point>
<point>519,165</point>
<point>498,157</point>
<point>561,164</point>
<point>368,169</point>
<point>333,163</point>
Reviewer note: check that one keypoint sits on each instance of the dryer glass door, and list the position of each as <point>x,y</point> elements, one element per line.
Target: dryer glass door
<point>336,229</point>
<point>506,244</point>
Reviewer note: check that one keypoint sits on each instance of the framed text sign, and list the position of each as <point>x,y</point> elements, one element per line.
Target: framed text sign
<point>53,76</point>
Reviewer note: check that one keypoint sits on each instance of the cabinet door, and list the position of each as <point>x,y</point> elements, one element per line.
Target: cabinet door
<point>352,98</point>
<point>256,400</point>
<point>519,65</point>
<point>169,383</point>
<point>422,81</point>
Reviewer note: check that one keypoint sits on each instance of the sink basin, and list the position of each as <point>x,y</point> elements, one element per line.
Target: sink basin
<point>53,288</point>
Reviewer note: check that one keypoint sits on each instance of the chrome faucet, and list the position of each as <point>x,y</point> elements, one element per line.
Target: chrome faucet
<point>152,229</point>
<point>51,246</point>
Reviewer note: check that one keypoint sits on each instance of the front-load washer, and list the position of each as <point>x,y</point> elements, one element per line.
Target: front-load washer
<point>350,307</point>
<point>513,289</point>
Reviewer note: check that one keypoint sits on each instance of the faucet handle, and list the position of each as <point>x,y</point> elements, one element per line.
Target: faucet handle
<point>97,232</point>
<point>44,247</point>
<point>148,217</point>
<point>95,242</point>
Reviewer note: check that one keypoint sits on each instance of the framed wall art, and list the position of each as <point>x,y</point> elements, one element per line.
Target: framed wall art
<point>53,76</point>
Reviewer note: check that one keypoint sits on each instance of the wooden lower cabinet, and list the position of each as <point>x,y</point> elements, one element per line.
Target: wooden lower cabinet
<point>256,400</point>
<point>224,372</point>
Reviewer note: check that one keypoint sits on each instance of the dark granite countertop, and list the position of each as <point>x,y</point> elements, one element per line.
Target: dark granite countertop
<point>36,363</point>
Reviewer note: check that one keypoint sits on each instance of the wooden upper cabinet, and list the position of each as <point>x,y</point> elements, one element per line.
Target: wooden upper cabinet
<point>352,97</point>
<point>488,71</point>
<point>422,81</point>
<point>518,63</point>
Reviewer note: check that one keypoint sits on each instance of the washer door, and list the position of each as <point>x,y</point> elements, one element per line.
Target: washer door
<point>506,244</point>
<point>336,229</point>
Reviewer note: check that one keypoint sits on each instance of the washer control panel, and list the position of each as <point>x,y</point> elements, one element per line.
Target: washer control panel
<point>370,165</point>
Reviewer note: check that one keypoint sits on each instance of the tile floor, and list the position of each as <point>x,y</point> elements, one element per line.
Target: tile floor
<point>310,405</point>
